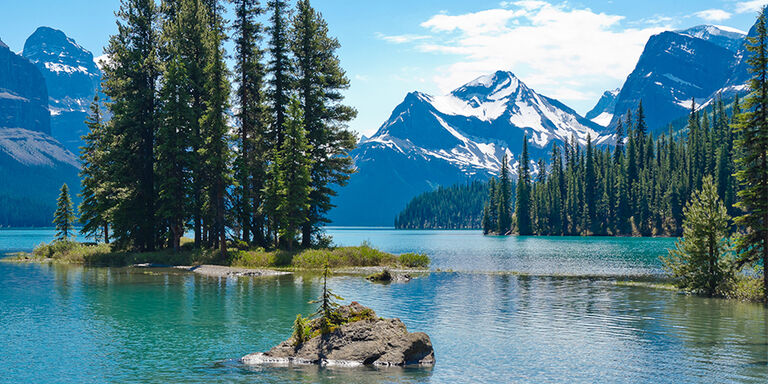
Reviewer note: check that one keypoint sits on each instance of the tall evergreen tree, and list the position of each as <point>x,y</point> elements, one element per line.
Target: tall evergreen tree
<point>130,80</point>
<point>523,200</point>
<point>64,217</point>
<point>505,198</point>
<point>590,194</point>
<point>173,157</point>
<point>295,165</point>
<point>320,82</point>
<point>215,148</point>
<point>753,149</point>
<point>250,162</point>
<point>279,67</point>
<point>97,201</point>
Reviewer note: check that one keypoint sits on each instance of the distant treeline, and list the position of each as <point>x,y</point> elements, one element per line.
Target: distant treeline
<point>456,207</point>
<point>639,187</point>
<point>24,212</point>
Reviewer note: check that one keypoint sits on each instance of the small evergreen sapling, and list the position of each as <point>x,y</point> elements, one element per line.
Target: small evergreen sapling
<point>64,217</point>
<point>328,304</point>
<point>698,261</point>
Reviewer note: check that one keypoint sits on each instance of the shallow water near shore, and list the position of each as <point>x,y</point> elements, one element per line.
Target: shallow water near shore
<point>75,324</point>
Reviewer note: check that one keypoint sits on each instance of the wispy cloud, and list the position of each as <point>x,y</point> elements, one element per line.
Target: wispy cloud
<point>552,45</point>
<point>713,15</point>
<point>401,39</point>
<point>750,6</point>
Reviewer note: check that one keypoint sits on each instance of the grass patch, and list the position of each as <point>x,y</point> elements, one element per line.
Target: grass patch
<point>70,252</point>
<point>648,284</point>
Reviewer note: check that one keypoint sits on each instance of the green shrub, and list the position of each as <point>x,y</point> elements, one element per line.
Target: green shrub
<point>301,331</point>
<point>414,260</point>
<point>71,251</point>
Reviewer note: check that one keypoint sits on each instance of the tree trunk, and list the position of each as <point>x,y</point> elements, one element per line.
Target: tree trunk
<point>106,233</point>
<point>306,235</point>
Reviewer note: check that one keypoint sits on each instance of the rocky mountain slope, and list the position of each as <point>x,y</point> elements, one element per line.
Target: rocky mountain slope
<point>33,165</point>
<point>23,94</point>
<point>675,68</point>
<point>443,140</point>
<point>72,77</point>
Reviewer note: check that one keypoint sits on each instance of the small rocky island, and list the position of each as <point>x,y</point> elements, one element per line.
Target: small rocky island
<point>360,338</point>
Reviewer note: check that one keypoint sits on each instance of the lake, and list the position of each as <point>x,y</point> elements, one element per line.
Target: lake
<point>507,310</point>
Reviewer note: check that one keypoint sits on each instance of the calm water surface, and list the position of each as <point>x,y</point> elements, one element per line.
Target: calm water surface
<point>74,324</point>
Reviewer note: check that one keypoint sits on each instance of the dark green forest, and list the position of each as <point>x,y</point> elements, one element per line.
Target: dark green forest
<point>251,162</point>
<point>637,188</point>
<point>454,207</point>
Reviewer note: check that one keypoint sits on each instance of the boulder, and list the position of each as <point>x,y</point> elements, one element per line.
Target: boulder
<point>370,341</point>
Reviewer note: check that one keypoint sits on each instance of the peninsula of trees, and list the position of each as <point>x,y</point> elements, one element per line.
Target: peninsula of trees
<point>253,161</point>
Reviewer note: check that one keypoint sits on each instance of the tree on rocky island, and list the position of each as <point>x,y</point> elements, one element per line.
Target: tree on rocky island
<point>328,303</point>
<point>64,217</point>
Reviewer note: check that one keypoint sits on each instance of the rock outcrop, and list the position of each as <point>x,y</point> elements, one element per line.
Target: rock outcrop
<point>23,94</point>
<point>368,341</point>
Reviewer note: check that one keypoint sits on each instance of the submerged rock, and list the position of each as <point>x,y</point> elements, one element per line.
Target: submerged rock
<point>386,276</point>
<point>369,341</point>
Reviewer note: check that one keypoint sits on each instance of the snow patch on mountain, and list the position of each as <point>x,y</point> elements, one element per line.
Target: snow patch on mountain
<point>603,119</point>
<point>58,67</point>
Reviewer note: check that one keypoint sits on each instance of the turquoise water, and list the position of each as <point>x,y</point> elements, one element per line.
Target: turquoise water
<point>74,324</point>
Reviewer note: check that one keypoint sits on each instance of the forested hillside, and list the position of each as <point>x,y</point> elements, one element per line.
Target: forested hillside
<point>455,207</point>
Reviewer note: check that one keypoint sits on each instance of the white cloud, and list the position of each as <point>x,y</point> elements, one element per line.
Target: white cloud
<point>713,15</point>
<point>750,6</point>
<point>558,50</point>
<point>400,39</point>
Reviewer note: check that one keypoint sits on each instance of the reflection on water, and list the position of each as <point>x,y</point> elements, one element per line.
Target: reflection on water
<point>471,251</point>
<point>74,324</point>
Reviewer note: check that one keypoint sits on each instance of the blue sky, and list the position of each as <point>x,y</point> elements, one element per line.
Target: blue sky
<point>572,50</point>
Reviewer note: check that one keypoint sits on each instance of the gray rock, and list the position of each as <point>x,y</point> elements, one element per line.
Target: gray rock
<point>375,341</point>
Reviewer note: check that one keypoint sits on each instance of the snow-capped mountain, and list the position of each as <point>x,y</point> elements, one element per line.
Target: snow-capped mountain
<point>726,37</point>
<point>72,77</point>
<point>675,68</point>
<point>602,113</point>
<point>443,140</point>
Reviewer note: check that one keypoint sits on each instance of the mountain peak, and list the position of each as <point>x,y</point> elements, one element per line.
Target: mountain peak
<point>53,46</point>
<point>725,37</point>
<point>492,87</point>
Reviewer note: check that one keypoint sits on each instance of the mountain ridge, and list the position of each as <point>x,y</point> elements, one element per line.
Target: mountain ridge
<point>430,141</point>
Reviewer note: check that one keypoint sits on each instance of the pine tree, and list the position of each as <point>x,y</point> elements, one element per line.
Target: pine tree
<point>320,82</point>
<point>590,194</point>
<point>279,67</point>
<point>130,82</point>
<point>523,200</point>
<point>753,149</point>
<point>64,217</point>
<point>173,158</point>
<point>294,165</point>
<point>215,148</point>
<point>250,162</point>
<point>698,259</point>
<point>505,199</point>
<point>97,201</point>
